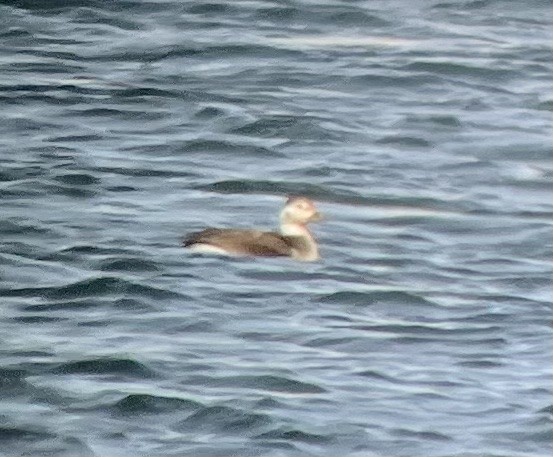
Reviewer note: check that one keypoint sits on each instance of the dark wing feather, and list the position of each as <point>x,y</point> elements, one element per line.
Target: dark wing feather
<point>245,242</point>
<point>200,237</point>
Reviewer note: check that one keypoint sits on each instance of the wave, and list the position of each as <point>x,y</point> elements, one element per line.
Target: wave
<point>105,366</point>
<point>93,287</point>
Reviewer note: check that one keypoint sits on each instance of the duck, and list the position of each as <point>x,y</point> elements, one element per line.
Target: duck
<point>294,239</point>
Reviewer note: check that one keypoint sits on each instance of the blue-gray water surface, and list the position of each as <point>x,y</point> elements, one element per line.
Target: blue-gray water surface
<point>422,129</point>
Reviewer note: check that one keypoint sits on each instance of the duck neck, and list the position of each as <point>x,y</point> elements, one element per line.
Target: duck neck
<point>304,247</point>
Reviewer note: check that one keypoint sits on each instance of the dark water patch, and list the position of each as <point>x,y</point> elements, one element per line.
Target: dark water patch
<point>96,112</point>
<point>121,189</point>
<point>226,147</point>
<point>429,331</point>
<point>58,55</point>
<point>26,98</point>
<point>10,435</point>
<point>329,342</point>
<point>294,435</point>
<point>41,68</point>
<point>546,105</point>
<point>139,404</point>
<point>93,287</point>
<point>544,436</point>
<point>292,275</point>
<point>12,378</point>
<point>15,388</point>
<point>70,191</point>
<point>457,69</point>
<point>271,383</point>
<point>267,403</point>
<point>129,264</point>
<point>321,193</point>
<point>526,282</point>
<point>201,326</point>
<point>429,340</point>
<point>72,305</point>
<point>16,226</point>
<point>248,187</point>
<point>469,165</point>
<point>335,318</point>
<point>17,173</point>
<point>95,323</point>
<point>95,16</point>
<point>41,354</point>
<point>547,410</point>
<point>281,188</point>
<point>37,319</point>
<point>141,93</point>
<point>489,342</point>
<point>370,298</point>
<point>262,336</point>
<point>515,151</point>
<point>23,250</point>
<point>26,125</point>
<point>132,304</point>
<point>479,364</point>
<point>81,92</point>
<point>15,32</point>
<point>291,127</point>
<point>9,176</point>
<point>357,18</point>
<point>93,250</point>
<point>372,374</point>
<point>318,172</point>
<point>150,56</point>
<point>112,113</point>
<point>32,91</point>
<point>278,13</point>
<point>74,138</point>
<point>29,441</point>
<point>139,172</point>
<point>276,384</point>
<point>209,8</point>
<point>247,296</point>
<point>249,51</point>
<point>209,112</point>
<point>45,5</point>
<point>19,193</point>
<point>449,121</point>
<point>500,262</point>
<point>540,215</point>
<point>49,40</point>
<point>271,446</point>
<point>295,80</point>
<point>486,318</point>
<point>432,396</point>
<point>77,179</point>
<point>465,5</point>
<point>105,366</point>
<point>407,141</point>
<point>426,435</point>
<point>388,81</point>
<point>223,419</point>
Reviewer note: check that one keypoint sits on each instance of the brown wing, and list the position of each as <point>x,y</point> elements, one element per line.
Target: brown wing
<point>245,242</point>
<point>201,237</point>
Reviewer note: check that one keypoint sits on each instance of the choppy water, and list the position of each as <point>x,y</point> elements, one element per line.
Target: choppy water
<point>422,129</point>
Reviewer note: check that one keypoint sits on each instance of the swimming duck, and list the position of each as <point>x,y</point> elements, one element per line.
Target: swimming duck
<point>294,240</point>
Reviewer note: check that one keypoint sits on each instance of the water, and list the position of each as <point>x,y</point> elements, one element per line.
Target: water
<point>423,131</point>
